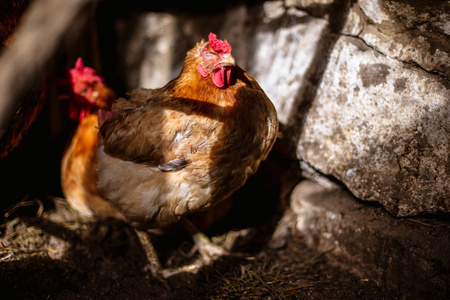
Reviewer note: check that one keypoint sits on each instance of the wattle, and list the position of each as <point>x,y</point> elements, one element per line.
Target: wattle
<point>202,71</point>
<point>219,75</point>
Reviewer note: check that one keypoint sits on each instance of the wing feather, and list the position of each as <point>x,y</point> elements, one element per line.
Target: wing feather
<point>154,129</point>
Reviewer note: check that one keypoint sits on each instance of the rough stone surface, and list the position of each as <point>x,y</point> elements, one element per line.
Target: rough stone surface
<point>412,31</point>
<point>382,128</point>
<point>289,43</point>
<point>148,42</point>
<point>407,255</point>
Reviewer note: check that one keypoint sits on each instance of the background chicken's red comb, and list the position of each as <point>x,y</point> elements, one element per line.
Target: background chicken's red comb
<point>81,73</point>
<point>218,45</point>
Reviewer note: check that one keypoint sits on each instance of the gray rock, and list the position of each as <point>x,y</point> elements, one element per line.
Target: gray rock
<point>148,41</point>
<point>284,49</point>
<point>412,31</point>
<point>382,128</point>
<point>406,255</point>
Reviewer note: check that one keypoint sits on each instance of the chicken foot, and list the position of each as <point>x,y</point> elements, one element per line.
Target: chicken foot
<point>207,249</point>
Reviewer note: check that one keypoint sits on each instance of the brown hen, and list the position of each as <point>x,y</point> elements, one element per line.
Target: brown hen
<point>170,152</point>
<point>78,167</point>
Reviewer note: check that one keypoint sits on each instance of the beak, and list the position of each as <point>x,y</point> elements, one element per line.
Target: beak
<point>229,62</point>
<point>95,94</point>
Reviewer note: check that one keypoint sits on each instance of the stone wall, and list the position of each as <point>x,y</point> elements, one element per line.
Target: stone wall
<point>361,87</point>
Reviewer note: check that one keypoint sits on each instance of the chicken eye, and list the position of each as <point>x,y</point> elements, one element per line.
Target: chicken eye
<point>83,91</point>
<point>209,55</point>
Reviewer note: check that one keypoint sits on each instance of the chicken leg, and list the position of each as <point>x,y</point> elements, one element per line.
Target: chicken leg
<point>152,258</point>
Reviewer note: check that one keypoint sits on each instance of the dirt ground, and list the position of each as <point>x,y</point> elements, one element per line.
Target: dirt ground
<point>48,252</point>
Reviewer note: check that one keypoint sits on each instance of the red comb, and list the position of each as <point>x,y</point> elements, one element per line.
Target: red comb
<point>81,73</point>
<point>218,45</point>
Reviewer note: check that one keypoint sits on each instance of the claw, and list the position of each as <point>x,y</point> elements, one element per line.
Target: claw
<point>207,249</point>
